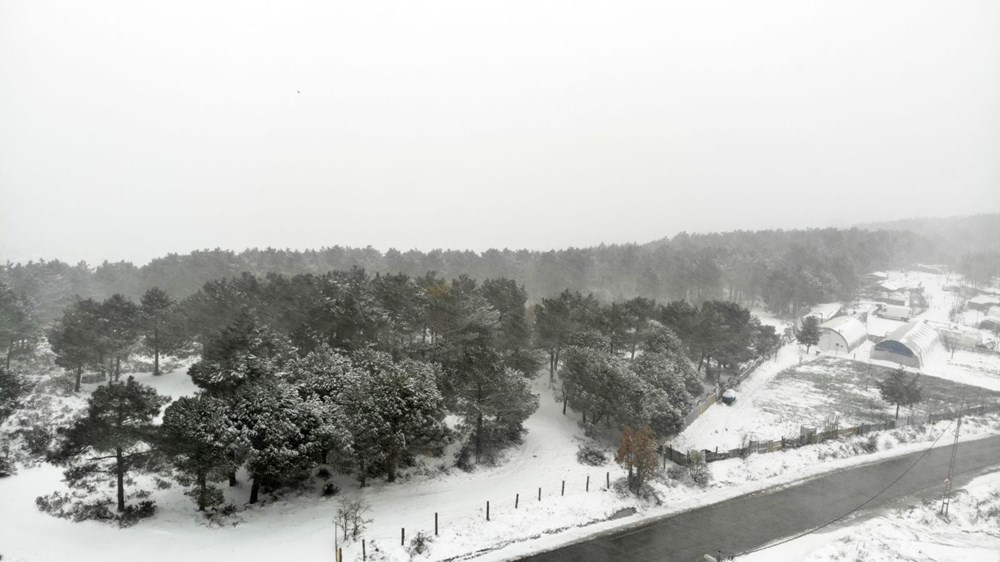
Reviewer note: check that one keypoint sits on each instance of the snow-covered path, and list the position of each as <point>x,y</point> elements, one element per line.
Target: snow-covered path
<point>725,426</point>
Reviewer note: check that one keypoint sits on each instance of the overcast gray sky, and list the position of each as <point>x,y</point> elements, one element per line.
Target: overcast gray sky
<point>129,129</point>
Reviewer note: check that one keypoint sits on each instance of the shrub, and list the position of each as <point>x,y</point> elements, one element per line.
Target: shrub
<point>7,465</point>
<point>135,513</point>
<point>590,455</point>
<point>698,469</point>
<point>66,506</point>
<point>330,490</point>
<point>323,473</point>
<point>420,545</point>
<point>870,445</point>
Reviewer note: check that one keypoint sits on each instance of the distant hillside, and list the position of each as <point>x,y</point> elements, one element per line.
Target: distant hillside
<point>951,236</point>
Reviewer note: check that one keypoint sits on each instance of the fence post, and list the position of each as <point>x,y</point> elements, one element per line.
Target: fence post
<point>364,553</point>
<point>607,476</point>
<point>563,492</point>
<point>435,524</point>
<point>487,510</point>
<point>539,494</point>
<point>516,498</point>
<point>587,488</point>
<point>402,536</point>
<point>340,555</point>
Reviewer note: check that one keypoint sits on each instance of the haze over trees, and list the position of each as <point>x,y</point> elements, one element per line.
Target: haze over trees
<point>786,270</point>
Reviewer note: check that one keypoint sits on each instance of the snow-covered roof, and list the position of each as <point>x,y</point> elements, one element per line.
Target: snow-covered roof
<point>985,299</point>
<point>891,286</point>
<point>917,336</point>
<point>825,310</point>
<point>849,328</point>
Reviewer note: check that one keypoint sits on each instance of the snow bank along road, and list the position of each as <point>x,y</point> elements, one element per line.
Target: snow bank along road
<point>748,522</point>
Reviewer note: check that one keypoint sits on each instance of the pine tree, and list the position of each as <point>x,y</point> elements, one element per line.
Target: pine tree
<point>114,437</point>
<point>74,338</point>
<point>808,334</point>
<point>392,410</point>
<point>900,389</point>
<point>119,330</point>
<point>245,351</point>
<point>281,434</point>
<point>198,435</point>
<point>19,325</point>
<point>156,305</point>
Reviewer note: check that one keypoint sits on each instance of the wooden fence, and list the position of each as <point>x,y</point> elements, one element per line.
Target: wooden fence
<point>712,397</point>
<point>810,436</point>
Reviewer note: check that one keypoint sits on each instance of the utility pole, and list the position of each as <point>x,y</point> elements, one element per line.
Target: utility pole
<point>951,468</point>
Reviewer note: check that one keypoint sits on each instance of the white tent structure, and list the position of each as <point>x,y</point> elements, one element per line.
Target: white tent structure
<point>842,334</point>
<point>907,345</point>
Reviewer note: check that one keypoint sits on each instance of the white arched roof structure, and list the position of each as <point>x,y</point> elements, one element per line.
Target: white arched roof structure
<point>907,345</point>
<point>843,333</point>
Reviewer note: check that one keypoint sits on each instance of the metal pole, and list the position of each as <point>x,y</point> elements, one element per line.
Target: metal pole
<point>539,494</point>
<point>487,510</point>
<point>587,489</point>
<point>402,536</point>
<point>563,492</point>
<point>516,498</point>
<point>364,553</point>
<point>435,524</point>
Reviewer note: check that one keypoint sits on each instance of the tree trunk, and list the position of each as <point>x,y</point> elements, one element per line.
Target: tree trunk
<point>479,434</point>
<point>202,490</point>
<point>362,472</point>
<point>232,478</point>
<point>118,369</point>
<point>10,351</point>
<point>79,375</point>
<point>156,351</point>
<point>565,399</point>
<point>897,412</point>
<point>390,468</point>
<point>120,473</point>
<point>255,489</point>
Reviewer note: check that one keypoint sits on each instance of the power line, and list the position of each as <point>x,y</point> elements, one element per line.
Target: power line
<point>866,502</point>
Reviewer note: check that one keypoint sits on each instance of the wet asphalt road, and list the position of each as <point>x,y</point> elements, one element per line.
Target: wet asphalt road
<point>747,522</point>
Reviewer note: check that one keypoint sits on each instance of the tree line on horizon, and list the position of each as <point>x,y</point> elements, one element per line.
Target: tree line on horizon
<point>783,270</point>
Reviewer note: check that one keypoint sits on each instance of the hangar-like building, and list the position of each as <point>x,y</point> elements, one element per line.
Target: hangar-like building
<point>907,345</point>
<point>843,333</point>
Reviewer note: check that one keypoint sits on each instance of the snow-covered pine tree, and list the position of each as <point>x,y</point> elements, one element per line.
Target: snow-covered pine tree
<point>115,437</point>
<point>393,409</point>
<point>197,435</point>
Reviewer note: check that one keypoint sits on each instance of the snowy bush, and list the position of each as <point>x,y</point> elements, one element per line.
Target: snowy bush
<point>698,469</point>
<point>590,455</point>
<point>36,439</point>
<point>7,465</point>
<point>330,489</point>
<point>420,545</point>
<point>72,507</point>
<point>351,518</point>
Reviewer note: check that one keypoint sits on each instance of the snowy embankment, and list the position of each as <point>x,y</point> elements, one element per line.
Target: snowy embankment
<point>971,532</point>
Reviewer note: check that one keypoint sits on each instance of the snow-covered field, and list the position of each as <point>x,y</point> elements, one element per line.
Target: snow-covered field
<point>917,532</point>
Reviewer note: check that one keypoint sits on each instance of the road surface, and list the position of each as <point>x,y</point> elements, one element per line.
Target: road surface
<point>747,522</point>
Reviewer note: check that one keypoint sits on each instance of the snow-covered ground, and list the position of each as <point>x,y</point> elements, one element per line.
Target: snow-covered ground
<point>299,525</point>
<point>971,533</point>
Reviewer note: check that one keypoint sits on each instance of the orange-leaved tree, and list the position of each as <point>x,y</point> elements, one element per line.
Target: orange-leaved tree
<point>637,454</point>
